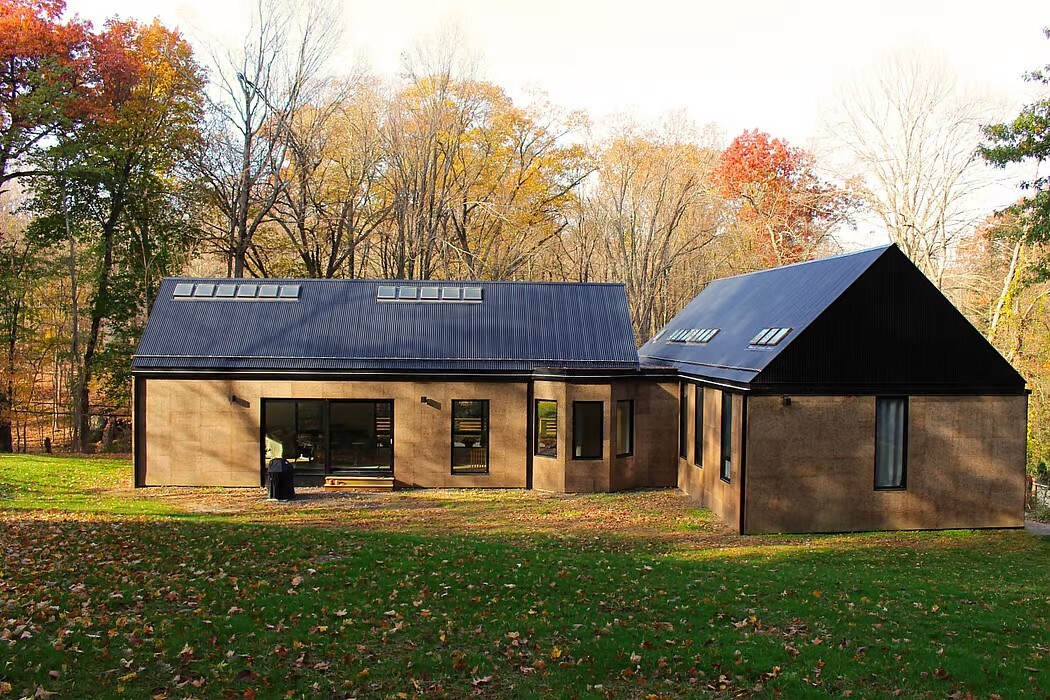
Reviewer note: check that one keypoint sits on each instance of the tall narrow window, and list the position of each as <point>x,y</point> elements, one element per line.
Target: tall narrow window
<point>587,433</point>
<point>891,442</point>
<point>698,428</point>
<point>546,428</point>
<point>727,436</point>
<point>683,420</point>
<point>624,428</point>
<point>470,437</point>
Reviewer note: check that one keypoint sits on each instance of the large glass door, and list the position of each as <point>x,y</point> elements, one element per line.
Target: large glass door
<point>361,437</point>
<point>294,430</point>
<point>320,437</point>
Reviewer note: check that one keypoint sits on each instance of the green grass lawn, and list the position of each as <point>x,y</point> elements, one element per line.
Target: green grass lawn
<point>107,591</point>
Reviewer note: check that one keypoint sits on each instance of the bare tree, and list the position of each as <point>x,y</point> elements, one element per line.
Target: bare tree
<point>910,132</point>
<point>654,208</point>
<point>259,88</point>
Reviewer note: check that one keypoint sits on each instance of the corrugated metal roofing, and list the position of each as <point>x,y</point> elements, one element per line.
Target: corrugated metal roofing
<point>340,324</point>
<point>792,296</point>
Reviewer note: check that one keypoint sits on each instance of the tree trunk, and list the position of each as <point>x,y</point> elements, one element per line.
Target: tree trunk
<point>90,347</point>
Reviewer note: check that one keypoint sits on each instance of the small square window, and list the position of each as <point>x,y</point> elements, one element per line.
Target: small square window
<point>204,290</point>
<point>407,293</point>
<point>288,291</point>
<point>472,294</point>
<point>183,289</point>
<point>450,293</point>
<point>247,291</point>
<point>429,293</point>
<point>226,290</point>
<point>268,291</point>
<point>386,292</point>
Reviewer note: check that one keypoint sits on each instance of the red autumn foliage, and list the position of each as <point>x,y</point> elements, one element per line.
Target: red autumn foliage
<point>780,198</point>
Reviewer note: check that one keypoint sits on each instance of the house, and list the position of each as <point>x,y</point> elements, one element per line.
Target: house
<point>418,384</point>
<point>843,394</point>
<point>840,394</point>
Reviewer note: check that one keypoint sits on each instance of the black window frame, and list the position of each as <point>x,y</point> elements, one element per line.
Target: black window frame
<point>630,427</point>
<point>576,426</point>
<point>485,430</point>
<point>683,421</point>
<point>905,430</point>
<point>325,406</point>
<point>725,462</point>
<point>536,436</point>
<point>698,426</point>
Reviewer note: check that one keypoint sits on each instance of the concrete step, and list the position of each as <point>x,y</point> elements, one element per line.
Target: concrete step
<point>358,483</point>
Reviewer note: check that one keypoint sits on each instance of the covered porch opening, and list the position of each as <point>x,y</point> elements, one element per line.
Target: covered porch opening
<point>330,437</point>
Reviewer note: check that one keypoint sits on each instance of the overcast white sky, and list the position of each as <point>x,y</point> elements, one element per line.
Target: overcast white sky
<point>767,64</point>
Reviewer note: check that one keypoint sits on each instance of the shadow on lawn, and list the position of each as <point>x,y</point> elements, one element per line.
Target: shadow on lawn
<point>237,604</point>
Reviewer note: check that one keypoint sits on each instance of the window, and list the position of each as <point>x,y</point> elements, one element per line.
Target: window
<point>691,335</point>
<point>683,423</point>
<point>768,337</point>
<point>624,428</point>
<point>727,436</point>
<point>338,436</point>
<point>891,442</point>
<point>470,437</point>
<point>698,428</point>
<point>386,292</point>
<point>546,428</point>
<point>587,434</point>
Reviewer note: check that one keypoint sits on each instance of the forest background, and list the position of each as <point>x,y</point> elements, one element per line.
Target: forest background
<point>127,154</point>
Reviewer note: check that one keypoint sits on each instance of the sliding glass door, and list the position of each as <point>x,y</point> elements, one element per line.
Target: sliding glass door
<point>320,436</point>
<point>361,436</point>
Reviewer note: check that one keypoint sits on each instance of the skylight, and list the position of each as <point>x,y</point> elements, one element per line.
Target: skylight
<point>768,337</point>
<point>693,335</point>
<point>229,291</point>
<point>428,294</point>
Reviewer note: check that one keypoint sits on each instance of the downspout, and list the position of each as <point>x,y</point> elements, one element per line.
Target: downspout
<point>138,433</point>
<point>530,394</point>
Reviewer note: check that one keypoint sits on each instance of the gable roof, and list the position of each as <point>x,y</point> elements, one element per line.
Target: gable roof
<point>864,321</point>
<point>784,297</point>
<point>343,325</point>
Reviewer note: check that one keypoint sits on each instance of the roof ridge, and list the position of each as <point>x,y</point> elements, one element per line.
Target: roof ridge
<point>369,280</point>
<point>851,253</point>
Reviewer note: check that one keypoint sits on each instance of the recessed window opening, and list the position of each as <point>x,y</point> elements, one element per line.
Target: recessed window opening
<point>470,436</point>
<point>698,427</point>
<point>683,420</point>
<point>891,442</point>
<point>587,429</point>
<point>624,428</point>
<point>726,462</point>
<point>546,428</point>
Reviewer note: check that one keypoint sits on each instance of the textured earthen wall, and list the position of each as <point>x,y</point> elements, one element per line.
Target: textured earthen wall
<point>705,483</point>
<point>195,436</point>
<point>810,465</point>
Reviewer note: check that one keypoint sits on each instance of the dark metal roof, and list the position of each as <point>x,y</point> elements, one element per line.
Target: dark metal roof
<point>865,322</point>
<point>340,325</point>
<point>785,297</point>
